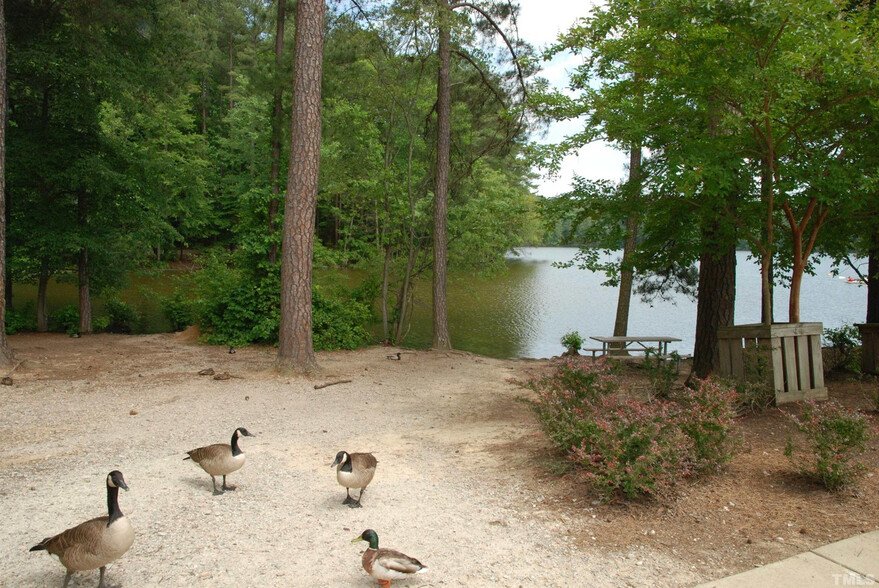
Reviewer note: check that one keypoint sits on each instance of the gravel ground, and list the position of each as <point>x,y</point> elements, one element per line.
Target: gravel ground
<point>455,485</point>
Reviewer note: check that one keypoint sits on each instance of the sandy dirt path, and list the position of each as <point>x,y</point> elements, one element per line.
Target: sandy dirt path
<point>455,485</point>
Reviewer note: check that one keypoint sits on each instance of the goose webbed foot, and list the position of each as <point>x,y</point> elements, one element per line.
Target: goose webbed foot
<point>216,492</point>
<point>228,486</point>
<point>356,503</point>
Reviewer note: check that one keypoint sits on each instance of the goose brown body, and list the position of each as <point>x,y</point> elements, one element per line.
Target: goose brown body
<point>220,459</point>
<point>354,470</point>
<point>96,542</point>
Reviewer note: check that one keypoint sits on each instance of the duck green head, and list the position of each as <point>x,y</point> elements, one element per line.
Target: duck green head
<point>369,536</point>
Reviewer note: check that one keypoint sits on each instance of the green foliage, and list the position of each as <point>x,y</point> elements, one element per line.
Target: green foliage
<point>572,341</point>
<point>65,319</point>
<point>632,449</point>
<point>20,320</point>
<point>756,391</point>
<point>847,341</point>
<point>708,419</point>
<point>180,308</point>
<point>834,436</point>
<point>629,448</point>
<point>574,383</point>
<point>234,307</point>
<point>123,317</point>
<point>661,371</point>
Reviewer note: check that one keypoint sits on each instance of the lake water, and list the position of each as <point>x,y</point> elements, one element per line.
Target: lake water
<point>524,312</point>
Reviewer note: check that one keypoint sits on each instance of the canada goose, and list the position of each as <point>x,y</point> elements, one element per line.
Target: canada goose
<point>95,543</point>
<point>220,459</point>
<point>386,564</point>
<point>355,470</point>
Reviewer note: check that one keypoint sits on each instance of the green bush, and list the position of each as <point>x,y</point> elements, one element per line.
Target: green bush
<point>661,372</point>
<point>633,448</point>
<point>65,319</point>
<point>708,419</point>
<point>572,341</point>
<point>835,436</point>
<point>630,448</point>
<point>563,394</point>
<point>123,317</point>
<point>180,308</point>
<point>20,320</point>
<point>847,341</point>
<point>235,308</point>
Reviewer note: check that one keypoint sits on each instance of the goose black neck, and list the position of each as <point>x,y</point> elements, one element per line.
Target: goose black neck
<point>235,449</point>
<point>346,465</point>
<point>113,504</point>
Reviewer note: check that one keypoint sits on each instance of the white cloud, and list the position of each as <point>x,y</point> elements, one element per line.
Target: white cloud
<point>540,23</point>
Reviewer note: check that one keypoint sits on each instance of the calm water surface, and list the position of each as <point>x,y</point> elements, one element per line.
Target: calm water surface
<point>524,312</point>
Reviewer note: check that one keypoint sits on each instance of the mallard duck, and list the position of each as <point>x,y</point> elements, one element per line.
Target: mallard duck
<point>220,459</point>
<point>95,543</point>
<point>386,564</point>
<point>354,470</point>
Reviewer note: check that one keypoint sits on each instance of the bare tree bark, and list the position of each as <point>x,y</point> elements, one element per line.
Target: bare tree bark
<point>441,338</point>
<point>296,347</point>
<point>277,124</point>
<point>5,351</point>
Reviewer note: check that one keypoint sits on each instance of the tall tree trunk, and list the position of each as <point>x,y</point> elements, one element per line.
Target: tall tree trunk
<point>627,275</point>
<point>766,188</point>
<point>42,287</point>
<point>873,280</point>
<point>717,301</point>
<point>277,126</point>
<point>5,351</point>
<point>7,208</point>
<point>441,338</point>
<point>85,301</point>
<point>296,347</point>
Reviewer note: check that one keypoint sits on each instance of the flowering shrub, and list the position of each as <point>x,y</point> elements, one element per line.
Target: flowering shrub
<point>708,419</point>
<point>633,448</point>
<point>627,447</point>
<point>835,435</point>
<point>563,396</point>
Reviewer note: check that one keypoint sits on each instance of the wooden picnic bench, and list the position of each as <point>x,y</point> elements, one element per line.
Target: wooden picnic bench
<point>656,344</point>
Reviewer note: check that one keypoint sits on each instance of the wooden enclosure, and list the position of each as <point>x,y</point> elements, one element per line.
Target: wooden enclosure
<point>788,354</point>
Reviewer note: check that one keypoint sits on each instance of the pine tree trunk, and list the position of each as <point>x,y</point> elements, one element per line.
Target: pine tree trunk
<point>42,287</point>
<point>295,345</point>
<point>441,338</point>
<point>5,351</point>
<point>873,281</point>
<point>716,305</point>
<point>85,300</point>
<point>277,124</point>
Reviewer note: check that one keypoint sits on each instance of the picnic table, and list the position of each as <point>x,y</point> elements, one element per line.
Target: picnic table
<point>635,343</point>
